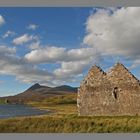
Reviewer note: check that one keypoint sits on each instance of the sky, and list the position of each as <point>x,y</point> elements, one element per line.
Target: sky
<point>57,46</point>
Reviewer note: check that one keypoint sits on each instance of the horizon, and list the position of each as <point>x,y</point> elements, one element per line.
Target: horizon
<point>57,46</point>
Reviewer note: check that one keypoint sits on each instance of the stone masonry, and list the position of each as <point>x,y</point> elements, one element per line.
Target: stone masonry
<point>114,93</point>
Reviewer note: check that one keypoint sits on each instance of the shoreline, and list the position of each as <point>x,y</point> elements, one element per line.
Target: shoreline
<point>4,114</point>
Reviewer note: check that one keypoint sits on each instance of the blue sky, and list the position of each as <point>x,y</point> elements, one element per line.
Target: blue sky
<point>55,46</point>
<point>55,28</point>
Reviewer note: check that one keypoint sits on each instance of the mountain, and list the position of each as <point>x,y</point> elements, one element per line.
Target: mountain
<point>36,86</point>
<point>38,92</point>
<point>38,89</point>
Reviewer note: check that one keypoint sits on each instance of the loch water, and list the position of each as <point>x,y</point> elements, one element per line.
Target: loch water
<point>16,110</point>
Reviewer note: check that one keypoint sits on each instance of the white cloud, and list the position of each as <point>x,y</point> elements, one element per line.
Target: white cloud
<point>7,50</point>
<point>35,45</point>
<point>32,27</point>
<point>24,39</point>
<point>115,34</point>
<point>76,61</point>
<point>69,69</point>
<point>80,54</point>
<point>46,55</point>
<point>73,62</point>
<point>59,54</point>
<point>2,20</point>
<point>8,33</point>
<point>11,64</point>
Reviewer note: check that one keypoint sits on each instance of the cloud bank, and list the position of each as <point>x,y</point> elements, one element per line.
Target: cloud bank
<point>109,32</point>
<point>115,33</point>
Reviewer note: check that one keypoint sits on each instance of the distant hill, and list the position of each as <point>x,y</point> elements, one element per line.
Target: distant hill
<point>38,92</point>
<point>36,86</point>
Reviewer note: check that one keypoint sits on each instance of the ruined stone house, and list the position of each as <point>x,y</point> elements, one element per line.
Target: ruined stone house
<point>112,93</point>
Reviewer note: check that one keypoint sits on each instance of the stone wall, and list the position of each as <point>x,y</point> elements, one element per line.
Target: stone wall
<point>116,92</point>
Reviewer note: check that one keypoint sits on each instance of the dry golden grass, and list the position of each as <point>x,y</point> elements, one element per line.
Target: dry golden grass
<point>70,124</point>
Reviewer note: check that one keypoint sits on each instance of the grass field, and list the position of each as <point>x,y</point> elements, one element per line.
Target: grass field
<point>62,104</point>
<point>71,124</point>
<point>64,119</point>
